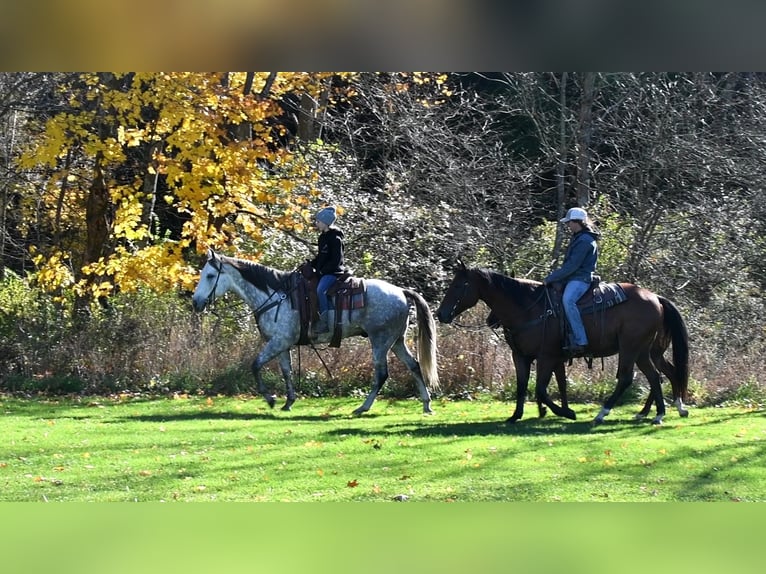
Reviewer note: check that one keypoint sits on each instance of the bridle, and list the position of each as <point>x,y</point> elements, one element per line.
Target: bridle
<point>268,304</point>
<point>210,299</point>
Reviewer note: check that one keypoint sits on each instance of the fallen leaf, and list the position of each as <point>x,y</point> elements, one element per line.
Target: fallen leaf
<point>352,483</point>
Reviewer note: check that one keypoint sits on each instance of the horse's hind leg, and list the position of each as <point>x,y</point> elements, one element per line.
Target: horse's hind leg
<point>668,369</point>
<point>624,379</point>
<point>655,385</point>
<point>380,373</point>
<point>404,355</point>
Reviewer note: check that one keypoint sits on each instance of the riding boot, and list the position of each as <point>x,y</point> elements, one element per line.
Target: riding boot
<point>321,325</point>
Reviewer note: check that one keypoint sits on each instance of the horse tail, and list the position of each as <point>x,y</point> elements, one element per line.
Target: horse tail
<point>426,340</point>
<point>675,325</point>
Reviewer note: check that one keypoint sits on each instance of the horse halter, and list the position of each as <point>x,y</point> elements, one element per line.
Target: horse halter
<point>459,299</point>
<point>210,299</point>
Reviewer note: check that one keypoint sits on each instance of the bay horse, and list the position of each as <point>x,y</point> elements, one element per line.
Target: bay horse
<point>383,319</point>
<point>639,330</point>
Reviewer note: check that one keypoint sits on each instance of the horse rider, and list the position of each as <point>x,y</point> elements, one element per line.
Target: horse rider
<point>577,272</point>
<point>328,262</point>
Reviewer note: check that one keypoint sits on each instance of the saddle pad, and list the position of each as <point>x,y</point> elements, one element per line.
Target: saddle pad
<point>603,296</point>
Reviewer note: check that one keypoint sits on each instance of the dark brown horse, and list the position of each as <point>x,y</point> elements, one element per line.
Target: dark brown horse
<point>639,330</point>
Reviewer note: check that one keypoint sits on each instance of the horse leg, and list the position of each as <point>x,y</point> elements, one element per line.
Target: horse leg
<point>380,368</point>
<point>561,380</point>
<point>624,379</point>
<point>402,352</point>
<point>669,371</point>
<point>522,365</point>
<point>652,375</point>
<point>544,372</point>
<point>287,374</point>
<point>270,350</point>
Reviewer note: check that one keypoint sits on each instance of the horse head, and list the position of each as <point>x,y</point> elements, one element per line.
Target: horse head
<point>462,294</point>
<point>210,283</point>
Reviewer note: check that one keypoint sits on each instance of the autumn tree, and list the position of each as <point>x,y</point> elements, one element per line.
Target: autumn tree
<point>134,171</point>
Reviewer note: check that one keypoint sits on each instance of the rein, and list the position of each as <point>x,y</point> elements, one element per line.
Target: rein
<point>261,309</point>
<point>547,312</point>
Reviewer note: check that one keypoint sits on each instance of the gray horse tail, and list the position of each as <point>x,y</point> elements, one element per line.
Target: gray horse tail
<point>426,340</point>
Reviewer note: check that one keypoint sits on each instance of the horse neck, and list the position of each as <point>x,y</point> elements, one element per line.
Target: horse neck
<point>252,294</point>
<point>515,296</point>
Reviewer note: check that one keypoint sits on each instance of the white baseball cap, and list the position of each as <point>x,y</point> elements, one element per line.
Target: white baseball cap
<point>576,214</point>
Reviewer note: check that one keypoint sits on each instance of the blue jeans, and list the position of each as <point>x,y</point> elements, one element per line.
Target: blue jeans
<point>325,282</point>
<point>572,292</point>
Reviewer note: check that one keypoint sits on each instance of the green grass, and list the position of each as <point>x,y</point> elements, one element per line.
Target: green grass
<point>237,449</point>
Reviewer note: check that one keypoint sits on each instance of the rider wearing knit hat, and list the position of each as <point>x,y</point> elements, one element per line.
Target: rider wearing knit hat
<point>328,262</point>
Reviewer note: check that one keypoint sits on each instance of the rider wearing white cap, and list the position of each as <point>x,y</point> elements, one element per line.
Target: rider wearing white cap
<point>577,272</point>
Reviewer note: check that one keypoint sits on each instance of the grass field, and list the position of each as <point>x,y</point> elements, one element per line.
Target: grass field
<point>237,449</point>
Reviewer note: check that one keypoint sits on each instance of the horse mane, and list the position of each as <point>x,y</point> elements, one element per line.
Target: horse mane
<point>516,288</point>
<point>259,275</point>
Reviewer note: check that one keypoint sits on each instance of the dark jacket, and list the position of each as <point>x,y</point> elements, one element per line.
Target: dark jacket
<point>580,260</point>
<point>329,259</point>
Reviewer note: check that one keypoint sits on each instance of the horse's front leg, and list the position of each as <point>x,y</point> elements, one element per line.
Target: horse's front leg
<point>544,372</point>
<point>269,351</point>
<point>523,365</point>
<point>287,374</point>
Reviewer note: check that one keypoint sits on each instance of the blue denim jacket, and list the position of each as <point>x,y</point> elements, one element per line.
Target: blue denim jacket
<point>580,260</point>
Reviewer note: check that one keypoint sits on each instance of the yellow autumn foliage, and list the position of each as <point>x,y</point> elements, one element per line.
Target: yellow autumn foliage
<point>168,138</point>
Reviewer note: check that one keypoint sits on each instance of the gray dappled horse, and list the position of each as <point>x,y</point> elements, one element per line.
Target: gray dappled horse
<point>383,319</point>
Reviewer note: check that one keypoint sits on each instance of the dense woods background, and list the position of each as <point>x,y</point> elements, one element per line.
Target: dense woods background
<point>113,185</point>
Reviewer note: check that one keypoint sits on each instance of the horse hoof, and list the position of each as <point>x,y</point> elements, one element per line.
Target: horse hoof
<point>287,407</point>
<point>511,420</point>
<point>657,421</point>
<point>358,412</point>
<point>684,414</point>
<point>570,414</point>
<point>595,422</point>
<point>271,401</point>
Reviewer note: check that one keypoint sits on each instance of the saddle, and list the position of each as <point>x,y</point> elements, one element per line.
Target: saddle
<point>599,297</point>
<point>346,294</point>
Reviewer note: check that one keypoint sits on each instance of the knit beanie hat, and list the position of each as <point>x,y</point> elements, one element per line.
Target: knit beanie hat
<point>326,215</point>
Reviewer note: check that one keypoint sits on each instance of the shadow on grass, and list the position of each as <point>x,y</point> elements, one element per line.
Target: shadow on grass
<point>527,427</point>
<point>224,416</point>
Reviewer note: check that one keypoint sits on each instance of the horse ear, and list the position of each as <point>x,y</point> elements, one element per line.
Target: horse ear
<point>210,254</point>
<point>460,265</point>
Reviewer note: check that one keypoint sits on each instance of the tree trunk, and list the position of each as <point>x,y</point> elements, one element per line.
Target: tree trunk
<point>584,139</point>
<point>561,167</point>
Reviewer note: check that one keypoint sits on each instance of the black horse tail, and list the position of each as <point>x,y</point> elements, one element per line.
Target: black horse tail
<point>675,325</point>
<point>426,340</point>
